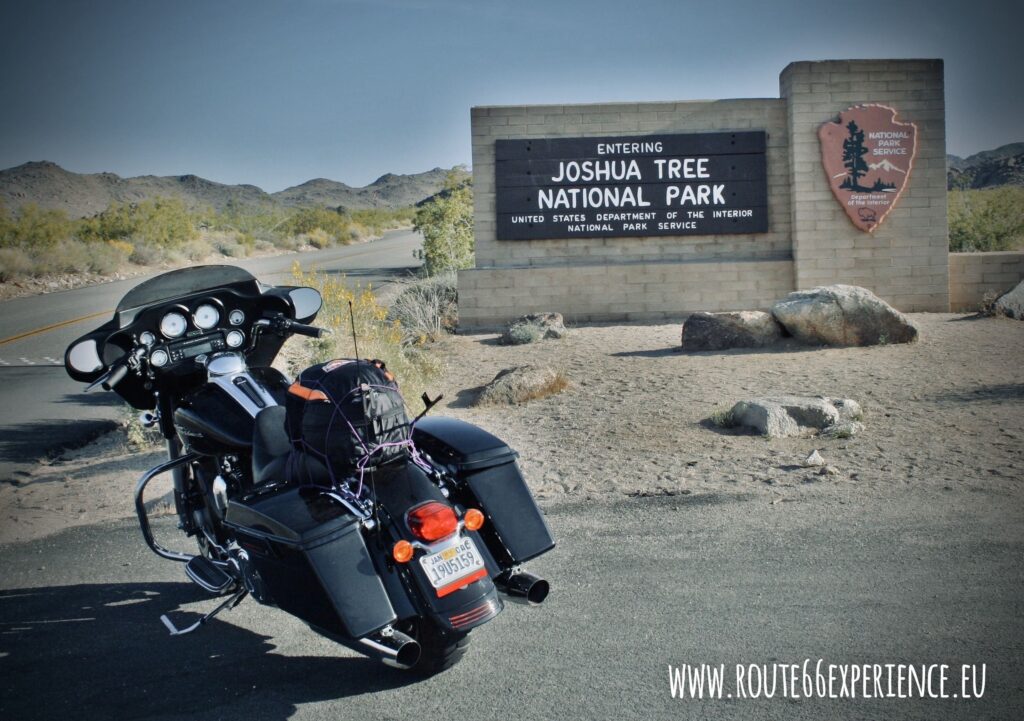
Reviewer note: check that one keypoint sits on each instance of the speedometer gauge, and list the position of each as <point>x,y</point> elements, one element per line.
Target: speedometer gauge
<point>206,316</point>
<point>173,325</point>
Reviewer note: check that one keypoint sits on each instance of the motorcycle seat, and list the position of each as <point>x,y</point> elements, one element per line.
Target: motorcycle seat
<point>273,457</point>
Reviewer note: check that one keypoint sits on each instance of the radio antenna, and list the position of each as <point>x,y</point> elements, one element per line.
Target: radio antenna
<point>352,319</point>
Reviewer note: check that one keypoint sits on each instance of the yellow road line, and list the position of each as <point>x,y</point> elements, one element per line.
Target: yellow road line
<point>63,323</point>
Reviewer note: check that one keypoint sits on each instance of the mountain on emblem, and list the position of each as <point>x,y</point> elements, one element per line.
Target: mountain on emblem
<point>864,153</point>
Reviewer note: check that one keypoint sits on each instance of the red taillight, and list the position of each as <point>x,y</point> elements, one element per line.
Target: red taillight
<point>432,521</point>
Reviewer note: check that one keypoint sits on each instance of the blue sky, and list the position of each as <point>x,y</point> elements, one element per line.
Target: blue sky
<point>276,93</point>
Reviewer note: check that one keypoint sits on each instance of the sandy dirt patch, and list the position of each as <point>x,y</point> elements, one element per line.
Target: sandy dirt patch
<point>944,416</point>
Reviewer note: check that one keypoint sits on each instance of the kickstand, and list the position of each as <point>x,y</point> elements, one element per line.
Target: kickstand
<point>229,604</point>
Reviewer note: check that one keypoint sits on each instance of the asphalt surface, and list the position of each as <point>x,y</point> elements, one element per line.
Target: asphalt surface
<point>41,408</point>
<point>637,586</point>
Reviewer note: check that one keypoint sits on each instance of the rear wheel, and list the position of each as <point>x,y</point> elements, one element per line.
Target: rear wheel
<point>439,649</point>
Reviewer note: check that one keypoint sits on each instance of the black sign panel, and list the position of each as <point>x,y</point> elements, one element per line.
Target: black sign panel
<point>693,184</point>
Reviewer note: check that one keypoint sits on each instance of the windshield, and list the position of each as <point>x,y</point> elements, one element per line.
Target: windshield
<point>182,282</point>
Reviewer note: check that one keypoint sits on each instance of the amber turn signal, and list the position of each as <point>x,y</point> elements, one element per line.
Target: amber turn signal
<point>402,552</point>
<point>473,519</point>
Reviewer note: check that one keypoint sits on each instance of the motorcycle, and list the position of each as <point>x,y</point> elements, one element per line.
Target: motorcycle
<point>400,564</point>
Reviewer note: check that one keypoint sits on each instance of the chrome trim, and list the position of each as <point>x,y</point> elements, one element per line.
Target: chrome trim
<point>223,369</point>
<point>140,507</point>
<point>393,647</point>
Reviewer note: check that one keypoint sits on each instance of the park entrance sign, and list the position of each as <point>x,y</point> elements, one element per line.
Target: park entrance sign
<point>649,211</point>
<point>634,186</point>
<point>868,156</point>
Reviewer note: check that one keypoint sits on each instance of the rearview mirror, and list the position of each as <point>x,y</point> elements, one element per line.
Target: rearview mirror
<point>84,357</point>
<point>306,301</point>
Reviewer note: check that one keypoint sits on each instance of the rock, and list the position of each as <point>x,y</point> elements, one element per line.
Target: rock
<point>814,459</point>
<point>533,327</point>
<point>521,384</point>
<point>842,315</point>
<point>1012,304</point>
<point>784,416</point>
<point>843,430</point>
<point>718,331</point>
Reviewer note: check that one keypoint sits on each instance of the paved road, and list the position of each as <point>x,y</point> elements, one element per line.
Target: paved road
<point>637,586</point>
<point>41,408</point>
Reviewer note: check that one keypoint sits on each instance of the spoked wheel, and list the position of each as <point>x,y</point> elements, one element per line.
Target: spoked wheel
<point>439,649</point>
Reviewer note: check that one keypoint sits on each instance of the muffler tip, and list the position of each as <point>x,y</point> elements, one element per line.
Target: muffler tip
<point>538,592</point>
<point>523,588</point>
<point>407,656</point>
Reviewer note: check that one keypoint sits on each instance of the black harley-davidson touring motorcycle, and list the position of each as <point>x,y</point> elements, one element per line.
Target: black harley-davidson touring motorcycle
<point>397,550</point>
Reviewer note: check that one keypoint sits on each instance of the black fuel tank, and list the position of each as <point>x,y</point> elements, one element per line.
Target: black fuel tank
<point>210,421</point>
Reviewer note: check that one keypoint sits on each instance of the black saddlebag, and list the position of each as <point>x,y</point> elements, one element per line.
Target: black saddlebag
<point>312,560</point>
<point>488,478</point>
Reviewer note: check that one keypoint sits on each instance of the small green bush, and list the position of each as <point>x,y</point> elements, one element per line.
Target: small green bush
<point>447,226</point>
<point>723,418</point>
<point>523,333</point>
<point>986,220</point>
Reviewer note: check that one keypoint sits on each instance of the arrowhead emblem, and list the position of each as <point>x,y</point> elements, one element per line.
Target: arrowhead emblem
<point>868,156</point>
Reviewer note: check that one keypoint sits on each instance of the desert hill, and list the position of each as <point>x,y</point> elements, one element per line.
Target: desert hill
<point>50,186</point>
<point>387,191</point>
<point>987,169</point>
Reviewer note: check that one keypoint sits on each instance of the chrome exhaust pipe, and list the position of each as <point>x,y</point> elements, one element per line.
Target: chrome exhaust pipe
<point>523,587</point>
<point>393,647</point>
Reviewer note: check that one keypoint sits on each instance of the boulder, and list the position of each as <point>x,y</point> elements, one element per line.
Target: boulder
<point>718,331</point>
<point>520,384</point>
<point>533,327</point>
<point>1012,304</point>
<point>842,315</point>
<point>784,416</point>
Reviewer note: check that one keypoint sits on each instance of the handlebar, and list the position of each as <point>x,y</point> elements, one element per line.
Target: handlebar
<point>283,326</point>
<point>116,375</point>
<point>308,330</point>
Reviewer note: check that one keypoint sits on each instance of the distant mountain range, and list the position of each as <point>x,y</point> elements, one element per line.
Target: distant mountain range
<point>988,169</point>
<point>50,186</point>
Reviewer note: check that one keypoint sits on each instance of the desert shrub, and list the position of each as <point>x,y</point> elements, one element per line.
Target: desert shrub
<point>35,228</point>
<point>447,226</point>
<point>723,418</point>
<point>523,333</point>
<point>375,221</point>
<point>163,222</point>
<point>106,258</point>
<point>196,249</point>
<point>378,335</point>
<point>145,253</point>
<point>427,308</point>
<point>332,223</point>
<point>230,244</point>
<point>986,220</point>
<point>317,237</point>
<point>14,263</point>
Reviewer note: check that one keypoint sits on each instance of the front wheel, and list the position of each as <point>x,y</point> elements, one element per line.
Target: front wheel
<point>439,649</point>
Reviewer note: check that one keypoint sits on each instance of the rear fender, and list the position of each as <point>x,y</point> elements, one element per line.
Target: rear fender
<point>400,489</point>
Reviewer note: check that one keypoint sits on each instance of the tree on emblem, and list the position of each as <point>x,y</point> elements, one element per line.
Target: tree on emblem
<point>853,159</point>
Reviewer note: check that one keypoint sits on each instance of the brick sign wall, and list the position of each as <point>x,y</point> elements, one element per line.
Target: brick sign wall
<point>546,242</point>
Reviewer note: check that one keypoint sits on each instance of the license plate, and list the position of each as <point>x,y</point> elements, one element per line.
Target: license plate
<point>452,568</point>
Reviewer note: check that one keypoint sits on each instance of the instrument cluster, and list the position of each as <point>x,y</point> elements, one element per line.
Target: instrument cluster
<point>186,330</point>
